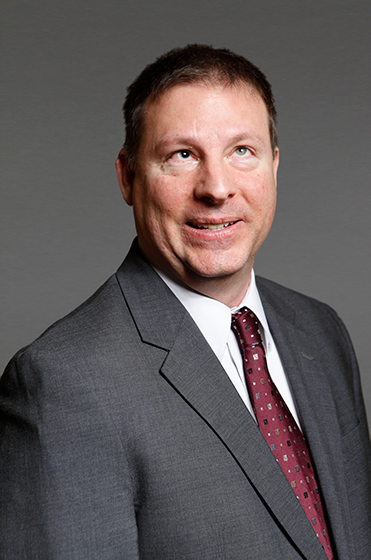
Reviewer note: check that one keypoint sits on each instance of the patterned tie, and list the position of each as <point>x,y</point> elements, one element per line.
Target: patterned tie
<point>277,424</point>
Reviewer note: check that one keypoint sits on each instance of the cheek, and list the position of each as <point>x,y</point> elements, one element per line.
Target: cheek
<point>263,196</point>
<point>164,197</point>
<point>156,209</point>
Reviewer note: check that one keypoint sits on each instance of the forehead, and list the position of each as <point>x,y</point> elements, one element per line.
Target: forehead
<point>197,107</point>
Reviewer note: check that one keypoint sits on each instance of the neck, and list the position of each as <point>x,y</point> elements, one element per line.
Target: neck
<point>229,290</point>
<point>226,290</point>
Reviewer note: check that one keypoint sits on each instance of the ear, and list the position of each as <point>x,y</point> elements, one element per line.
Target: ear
<point>276,162</point>
<point>125,177</point>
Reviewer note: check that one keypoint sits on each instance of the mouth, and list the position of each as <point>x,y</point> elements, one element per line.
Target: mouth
<point>211,227</point>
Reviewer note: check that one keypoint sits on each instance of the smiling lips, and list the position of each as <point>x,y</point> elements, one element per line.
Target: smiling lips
<point>212,227</point>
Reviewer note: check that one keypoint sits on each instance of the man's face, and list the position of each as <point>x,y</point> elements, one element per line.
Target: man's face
<point>204,185</point>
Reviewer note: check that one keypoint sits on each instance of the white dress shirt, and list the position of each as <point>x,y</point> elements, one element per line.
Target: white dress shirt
<point>213,318</point>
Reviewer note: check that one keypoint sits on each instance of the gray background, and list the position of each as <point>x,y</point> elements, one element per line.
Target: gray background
<point>65,66</point>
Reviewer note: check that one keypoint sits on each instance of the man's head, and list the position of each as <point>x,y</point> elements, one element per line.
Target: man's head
<point>201,177</point>
<point>191,64</point>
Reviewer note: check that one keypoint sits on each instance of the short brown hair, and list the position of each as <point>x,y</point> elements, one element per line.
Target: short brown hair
<point>190,64</point>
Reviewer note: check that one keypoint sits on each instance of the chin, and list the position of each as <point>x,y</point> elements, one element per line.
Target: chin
<point>221,269</point>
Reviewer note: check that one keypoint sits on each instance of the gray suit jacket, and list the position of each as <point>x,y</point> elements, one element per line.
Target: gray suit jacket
<point>122,436</point>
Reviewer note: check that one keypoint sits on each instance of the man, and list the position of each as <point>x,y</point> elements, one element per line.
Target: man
<point>131,429</point>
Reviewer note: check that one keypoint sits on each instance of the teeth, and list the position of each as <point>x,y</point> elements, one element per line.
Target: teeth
<point>215,227</point>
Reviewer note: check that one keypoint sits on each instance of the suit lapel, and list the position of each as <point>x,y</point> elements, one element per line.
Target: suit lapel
<point>303,356</point>
<point>196,374</point>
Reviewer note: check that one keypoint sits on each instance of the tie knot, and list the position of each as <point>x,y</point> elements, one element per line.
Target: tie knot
<point>245,326</point>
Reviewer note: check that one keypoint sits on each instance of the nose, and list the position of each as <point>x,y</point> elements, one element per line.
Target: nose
<point>214,185</point>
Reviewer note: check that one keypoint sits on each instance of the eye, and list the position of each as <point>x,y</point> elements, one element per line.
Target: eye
<point>180,155</point>
<point>181,161</point>
<point>242,151</point>
<point>183,154</point>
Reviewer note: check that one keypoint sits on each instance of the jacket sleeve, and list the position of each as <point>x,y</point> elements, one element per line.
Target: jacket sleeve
<point>356,388</point>
<point>65,485</point>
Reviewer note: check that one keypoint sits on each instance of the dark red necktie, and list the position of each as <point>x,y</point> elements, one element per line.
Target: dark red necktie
<point>277,425</point>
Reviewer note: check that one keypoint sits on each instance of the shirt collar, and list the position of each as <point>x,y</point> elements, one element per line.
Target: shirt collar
<point>212,317</point>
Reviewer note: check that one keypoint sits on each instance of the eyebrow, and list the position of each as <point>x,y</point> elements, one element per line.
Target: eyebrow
<point>246,137</point>
<point>190,141</point>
